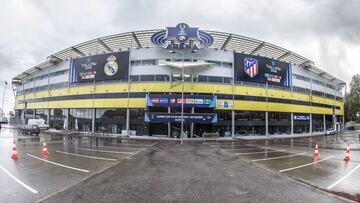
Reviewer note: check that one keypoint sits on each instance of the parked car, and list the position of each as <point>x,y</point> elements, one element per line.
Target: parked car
<point>41,123</point>
<point>330,131</point>
<point>30,130</point>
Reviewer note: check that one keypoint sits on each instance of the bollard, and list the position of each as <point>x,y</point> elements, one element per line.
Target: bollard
<point>292,142</point>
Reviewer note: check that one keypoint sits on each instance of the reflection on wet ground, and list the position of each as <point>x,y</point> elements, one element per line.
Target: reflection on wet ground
<point>329,171</point>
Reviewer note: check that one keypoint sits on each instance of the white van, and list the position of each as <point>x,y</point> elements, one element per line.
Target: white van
<point>41,123</point>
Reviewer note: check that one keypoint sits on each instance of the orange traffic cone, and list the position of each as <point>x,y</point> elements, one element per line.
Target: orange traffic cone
<point>14,152</point>
<point>347,154</point>
<point>316,153</point>
<point>44,151</point>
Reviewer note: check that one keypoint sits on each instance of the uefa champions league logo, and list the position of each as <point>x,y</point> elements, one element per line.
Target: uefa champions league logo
<point>182,36</point>
<point>111,67</point>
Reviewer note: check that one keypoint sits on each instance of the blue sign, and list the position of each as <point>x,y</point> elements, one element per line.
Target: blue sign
<point>301,118</point>
<point>179,37</point>
<point>176,118</point>
<point>176,101</point>
<point>164,100</point>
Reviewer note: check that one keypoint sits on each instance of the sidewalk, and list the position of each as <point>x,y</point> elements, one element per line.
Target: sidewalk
<point>283,136</point>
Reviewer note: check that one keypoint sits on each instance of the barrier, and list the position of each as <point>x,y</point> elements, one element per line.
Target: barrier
<point>210,136</point>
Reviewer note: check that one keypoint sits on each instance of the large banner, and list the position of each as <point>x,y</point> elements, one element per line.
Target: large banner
<point>251,68</point>
<point>176,118</point>
<point>112,66</point>
<point>204,101</point>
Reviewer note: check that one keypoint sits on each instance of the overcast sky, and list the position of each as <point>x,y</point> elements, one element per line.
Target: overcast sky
<point>325,31</point>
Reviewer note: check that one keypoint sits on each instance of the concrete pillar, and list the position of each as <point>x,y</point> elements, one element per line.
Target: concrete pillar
<point>232,123</point>
<point>267,123</point>
<point>127,121</point>
<point>169,124</point>
<point>67,113</point>
<point>48,117</point>
<point>310,129</point>
<point>22,116</point>
<point>192,124</point>
<point>34,113</point>
<point>93,121</point>
<point>292,123</point>
<point>324,123</point>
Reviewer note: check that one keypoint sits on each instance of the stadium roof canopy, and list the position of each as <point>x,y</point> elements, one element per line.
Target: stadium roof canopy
<point>141,39</point>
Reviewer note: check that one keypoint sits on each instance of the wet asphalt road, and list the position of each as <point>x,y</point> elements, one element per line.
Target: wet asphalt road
<point>69,163</point>
<point>195,172</point>
<point>114,170</point>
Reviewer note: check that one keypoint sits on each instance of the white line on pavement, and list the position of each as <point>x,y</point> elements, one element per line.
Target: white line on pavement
<point>289,169</point>
<point>126,148</point>
<point>245,149</point>
<point>19,181</point>
<point>279,157</point>
<point>113,152</point>
<point>69,167</point>
<point>343,178</point>
<point>90,157</point>
<point>261,152</point>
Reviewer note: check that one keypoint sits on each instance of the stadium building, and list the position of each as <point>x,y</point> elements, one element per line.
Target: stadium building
<point>150,82</point>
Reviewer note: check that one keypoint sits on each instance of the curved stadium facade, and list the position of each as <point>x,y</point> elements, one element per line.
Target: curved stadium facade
<point>133,82</point>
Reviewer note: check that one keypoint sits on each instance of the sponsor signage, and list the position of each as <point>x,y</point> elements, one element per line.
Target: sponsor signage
<point>176,118</point>
<point>112,66</point>
<point>207,101</point>
<point>301,118</point>
<point>226,104</point>
<point>183,37</point>
<point>251,68</point>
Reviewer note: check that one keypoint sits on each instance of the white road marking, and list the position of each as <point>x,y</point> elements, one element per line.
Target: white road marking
<point>261,152</point>
<point>279,157</point>
<point>131,144</point>
<point>246,149</point>
<point>126,148</point>
<point>90,157</point>
<point>128,157</point>
<point>19,181</point>
<point>57,164</point>
<point>289,169</point>
<point>343,178</point>
<point>113,152</point>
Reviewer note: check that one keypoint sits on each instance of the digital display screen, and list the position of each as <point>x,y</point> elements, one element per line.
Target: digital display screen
<point>111,66</point>
<point>258,69</point>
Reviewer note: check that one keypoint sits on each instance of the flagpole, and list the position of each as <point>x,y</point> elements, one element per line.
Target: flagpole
<point>3,99</point>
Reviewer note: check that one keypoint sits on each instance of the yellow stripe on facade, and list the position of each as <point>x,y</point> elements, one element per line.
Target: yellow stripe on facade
<point>168,87</point>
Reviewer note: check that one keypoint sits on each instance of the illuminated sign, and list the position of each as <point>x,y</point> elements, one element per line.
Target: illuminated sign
<point>249,68</point>
<point>207,101</point>
<point>176,118</point>
<point>112,66</point>
<point>182,36</point>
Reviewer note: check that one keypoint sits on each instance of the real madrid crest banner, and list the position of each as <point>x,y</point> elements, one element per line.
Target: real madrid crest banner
<point>112,66</point>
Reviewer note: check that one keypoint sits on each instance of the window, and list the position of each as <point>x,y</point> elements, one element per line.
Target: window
<point>136,63</point>
<point>202,78</point>
<point>147,78</point>
<point>149,62</point>
<point>162,78</point>
<point>135,78</point>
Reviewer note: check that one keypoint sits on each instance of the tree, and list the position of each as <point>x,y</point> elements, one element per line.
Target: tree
<point>352,100</point>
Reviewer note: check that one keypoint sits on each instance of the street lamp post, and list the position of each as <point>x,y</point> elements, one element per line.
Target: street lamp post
<point>182,94</point>
<point>182,99</point>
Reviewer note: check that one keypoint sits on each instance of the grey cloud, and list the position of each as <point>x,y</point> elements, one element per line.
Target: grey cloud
<point>32,30</point>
